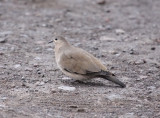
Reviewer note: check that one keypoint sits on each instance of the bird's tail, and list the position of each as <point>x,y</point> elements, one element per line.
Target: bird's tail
<point>111,77</point>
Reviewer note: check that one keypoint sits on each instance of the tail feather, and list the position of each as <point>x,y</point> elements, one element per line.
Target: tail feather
<point>111,77</point>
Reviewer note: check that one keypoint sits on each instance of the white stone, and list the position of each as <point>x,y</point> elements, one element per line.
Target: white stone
<point>66,78</point>
<point>114,96</point>
<point>67,88</point>
<point>17,66</point>
<point>105,38</point>
<point>119,31</point>
<point>37,58</point>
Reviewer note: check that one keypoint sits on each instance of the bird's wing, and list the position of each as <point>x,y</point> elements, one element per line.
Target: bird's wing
<point>79,62</point>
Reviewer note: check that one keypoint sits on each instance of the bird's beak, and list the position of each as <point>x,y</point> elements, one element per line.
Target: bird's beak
<point>50,41</point>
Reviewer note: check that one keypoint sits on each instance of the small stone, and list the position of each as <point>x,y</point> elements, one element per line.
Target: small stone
<point>39,83</point>
<point>39,42</point>
<point>141,61</point>
<point>95,48</point>
<point>49,49</point>
<point>151,88</point>
<point>113,52</point>
<point>5,33</point>
<point>43,75</point>
<point>105,38</point>
<point>53,91</point>
<point>66,78</point>
<point>37,58</point>
<point>3,98</point>
<point>153,48</point>
<point>25,85</point>
<point>17,66</point>
<point>108,27</point>
<point>143,76</point>
<point>128,115</point>
<point>39,72</point>
<point>28,69</point>
<point>67,88</point>
<point>158,41</point>
<point>44,25</point>
<point>113,97</point>
<point>3,40</point>
<point>119,31</point>
<point>126,78</point>
<point>132,51</point>
<point>35,65</point>
<point>81,110</point>
<point>73,106</point>
<point>101,2</point>
<point>1,53</point>
<point>108,11</point>
<point>58,20</point>
<point>27,13</point>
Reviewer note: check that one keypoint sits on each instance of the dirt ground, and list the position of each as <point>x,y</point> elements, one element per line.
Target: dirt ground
<point>124,34</point>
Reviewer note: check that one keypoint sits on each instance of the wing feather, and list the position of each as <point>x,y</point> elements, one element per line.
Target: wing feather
<point>79,62</point>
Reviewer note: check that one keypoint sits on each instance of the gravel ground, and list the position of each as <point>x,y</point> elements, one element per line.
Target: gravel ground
<point>124,34</point>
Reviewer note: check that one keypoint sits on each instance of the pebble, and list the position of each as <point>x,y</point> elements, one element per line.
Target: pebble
<point>17,66</point>
<point>119,31</point>
<point>132,51</point>
<point>141,61</point>
<point>3,40</point>
<point>153,48</point>
<point>5,33</point>
<point>49,49</point>
<point>113,52</point>
<point>73,106</point>
<point>39,83</point>
<point>28,69</point>
<point>67,88</point>
<point>113,97</point>
<point>44,25</point>
<point>66,78</point>
<point>126,78</point>
<point>4,98</point>
<point>81,110</point>
<point>35,65</point>
<point>108,27</point>
<point>108,11</point>
<point>1,53</point>
<point>128,115</point>
<point>101,2</point>
<point>143,76</point>
<point>58,20</point>
<point>2,106</point>
<point>37,58</point>
<point>105,38</point>
<point>40,42</point>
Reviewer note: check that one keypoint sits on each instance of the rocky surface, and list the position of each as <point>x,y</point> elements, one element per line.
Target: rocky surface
<point>124,34</point>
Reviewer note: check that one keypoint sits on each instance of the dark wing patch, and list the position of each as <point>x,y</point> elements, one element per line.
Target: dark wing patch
<point>87,73</point>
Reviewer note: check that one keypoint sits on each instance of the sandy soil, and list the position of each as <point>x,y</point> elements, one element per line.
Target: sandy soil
<point>124,34</point>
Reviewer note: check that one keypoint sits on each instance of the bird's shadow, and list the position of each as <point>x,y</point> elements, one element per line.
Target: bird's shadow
<point>88,83</point>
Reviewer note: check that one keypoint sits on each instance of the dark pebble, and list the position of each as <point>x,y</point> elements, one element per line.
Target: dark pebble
<point>153,48</point>
<point>81,110</point>
<point>72,106</point>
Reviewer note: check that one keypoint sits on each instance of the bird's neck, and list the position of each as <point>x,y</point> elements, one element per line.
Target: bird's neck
<point>62,47</point>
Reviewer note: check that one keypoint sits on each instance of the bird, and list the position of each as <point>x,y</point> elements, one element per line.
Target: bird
<point>79,64</point>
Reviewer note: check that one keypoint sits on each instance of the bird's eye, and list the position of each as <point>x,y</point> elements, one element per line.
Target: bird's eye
<point>56,39</point>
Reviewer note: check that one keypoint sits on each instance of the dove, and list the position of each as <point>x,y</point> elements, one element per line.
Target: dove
<point>79,64</point>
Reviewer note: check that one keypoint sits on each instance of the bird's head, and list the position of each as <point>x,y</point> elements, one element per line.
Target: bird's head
<point>58,40</point>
